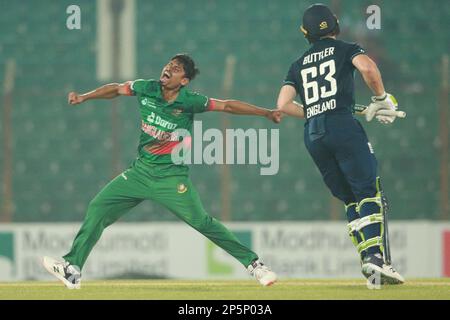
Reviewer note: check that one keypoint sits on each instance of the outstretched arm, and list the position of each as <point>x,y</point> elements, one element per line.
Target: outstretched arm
<point>108,91</point>
<point>286,102</point>
<point>243,108</point>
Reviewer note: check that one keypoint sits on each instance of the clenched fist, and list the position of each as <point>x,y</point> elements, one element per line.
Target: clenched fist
<point>74,98</point>
<point>275,116</point>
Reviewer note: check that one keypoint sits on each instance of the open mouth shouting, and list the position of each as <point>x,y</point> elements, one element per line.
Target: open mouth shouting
<point>165,77</point>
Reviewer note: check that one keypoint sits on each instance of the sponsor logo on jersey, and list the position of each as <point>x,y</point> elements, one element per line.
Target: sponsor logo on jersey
<point>320,108</point>
<point>148,102</point>
<point>158,133</point>
<point>157,120</point>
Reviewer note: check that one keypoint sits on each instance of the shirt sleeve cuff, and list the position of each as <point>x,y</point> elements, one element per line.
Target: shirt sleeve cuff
<point>357,53</point>
<point>290,83</point>
<point>129,88</point>
<point>211,105</point>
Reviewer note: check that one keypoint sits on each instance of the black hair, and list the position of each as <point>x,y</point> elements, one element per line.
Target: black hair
<point>188,63</point>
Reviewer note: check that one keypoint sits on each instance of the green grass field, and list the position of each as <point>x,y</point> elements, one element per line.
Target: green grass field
<point>224,290</point>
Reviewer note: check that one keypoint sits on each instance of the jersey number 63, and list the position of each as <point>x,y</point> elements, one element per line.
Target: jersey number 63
<point>311,86</point>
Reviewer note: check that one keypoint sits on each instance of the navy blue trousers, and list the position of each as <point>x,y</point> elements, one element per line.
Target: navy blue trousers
<point>339,147</point>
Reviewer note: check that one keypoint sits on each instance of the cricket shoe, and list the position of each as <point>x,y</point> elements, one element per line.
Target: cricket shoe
<point>373,266</point>
<point>262,273</point>
<point>68,274</point>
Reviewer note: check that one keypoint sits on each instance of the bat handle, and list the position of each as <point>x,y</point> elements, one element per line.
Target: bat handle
<point>401,114</point>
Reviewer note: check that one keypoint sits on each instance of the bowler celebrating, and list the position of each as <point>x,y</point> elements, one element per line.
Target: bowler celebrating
<point>165,106</point>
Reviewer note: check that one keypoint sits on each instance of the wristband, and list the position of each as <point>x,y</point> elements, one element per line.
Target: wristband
<point>381,97</point>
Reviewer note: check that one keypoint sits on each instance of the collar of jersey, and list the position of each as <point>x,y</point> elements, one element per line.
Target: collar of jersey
<point>179,99</point>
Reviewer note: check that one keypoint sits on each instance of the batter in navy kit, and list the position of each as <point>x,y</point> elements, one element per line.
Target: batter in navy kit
<point>323,77</point>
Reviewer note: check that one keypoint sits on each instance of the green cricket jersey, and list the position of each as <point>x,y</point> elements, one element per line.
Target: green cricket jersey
<point>160,120</point>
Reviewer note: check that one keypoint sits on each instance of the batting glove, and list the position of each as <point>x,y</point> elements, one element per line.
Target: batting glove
<point>386,101</point>
<point>385,119</point>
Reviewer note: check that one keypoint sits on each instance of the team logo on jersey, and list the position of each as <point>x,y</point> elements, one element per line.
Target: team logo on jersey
<point>182,188</point>
<point>177,112</point>
<point>323,25</point>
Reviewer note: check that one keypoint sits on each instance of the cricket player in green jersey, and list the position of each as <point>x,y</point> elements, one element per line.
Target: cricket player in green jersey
<point>165,106</point>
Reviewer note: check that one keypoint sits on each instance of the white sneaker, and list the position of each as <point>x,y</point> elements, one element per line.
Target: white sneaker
<point>388,269</point>
<point>373,266</point>
<point>262,273</point>
<point>69,275</point>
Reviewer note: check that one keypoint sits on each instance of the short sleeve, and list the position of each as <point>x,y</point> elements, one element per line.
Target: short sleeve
<point>291,77</point>
<point>139,86</point>
<point>354,50</point>
<point>199,103</point>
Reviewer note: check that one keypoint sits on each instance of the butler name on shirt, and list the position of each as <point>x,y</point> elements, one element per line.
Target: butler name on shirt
<point>317,56</point>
